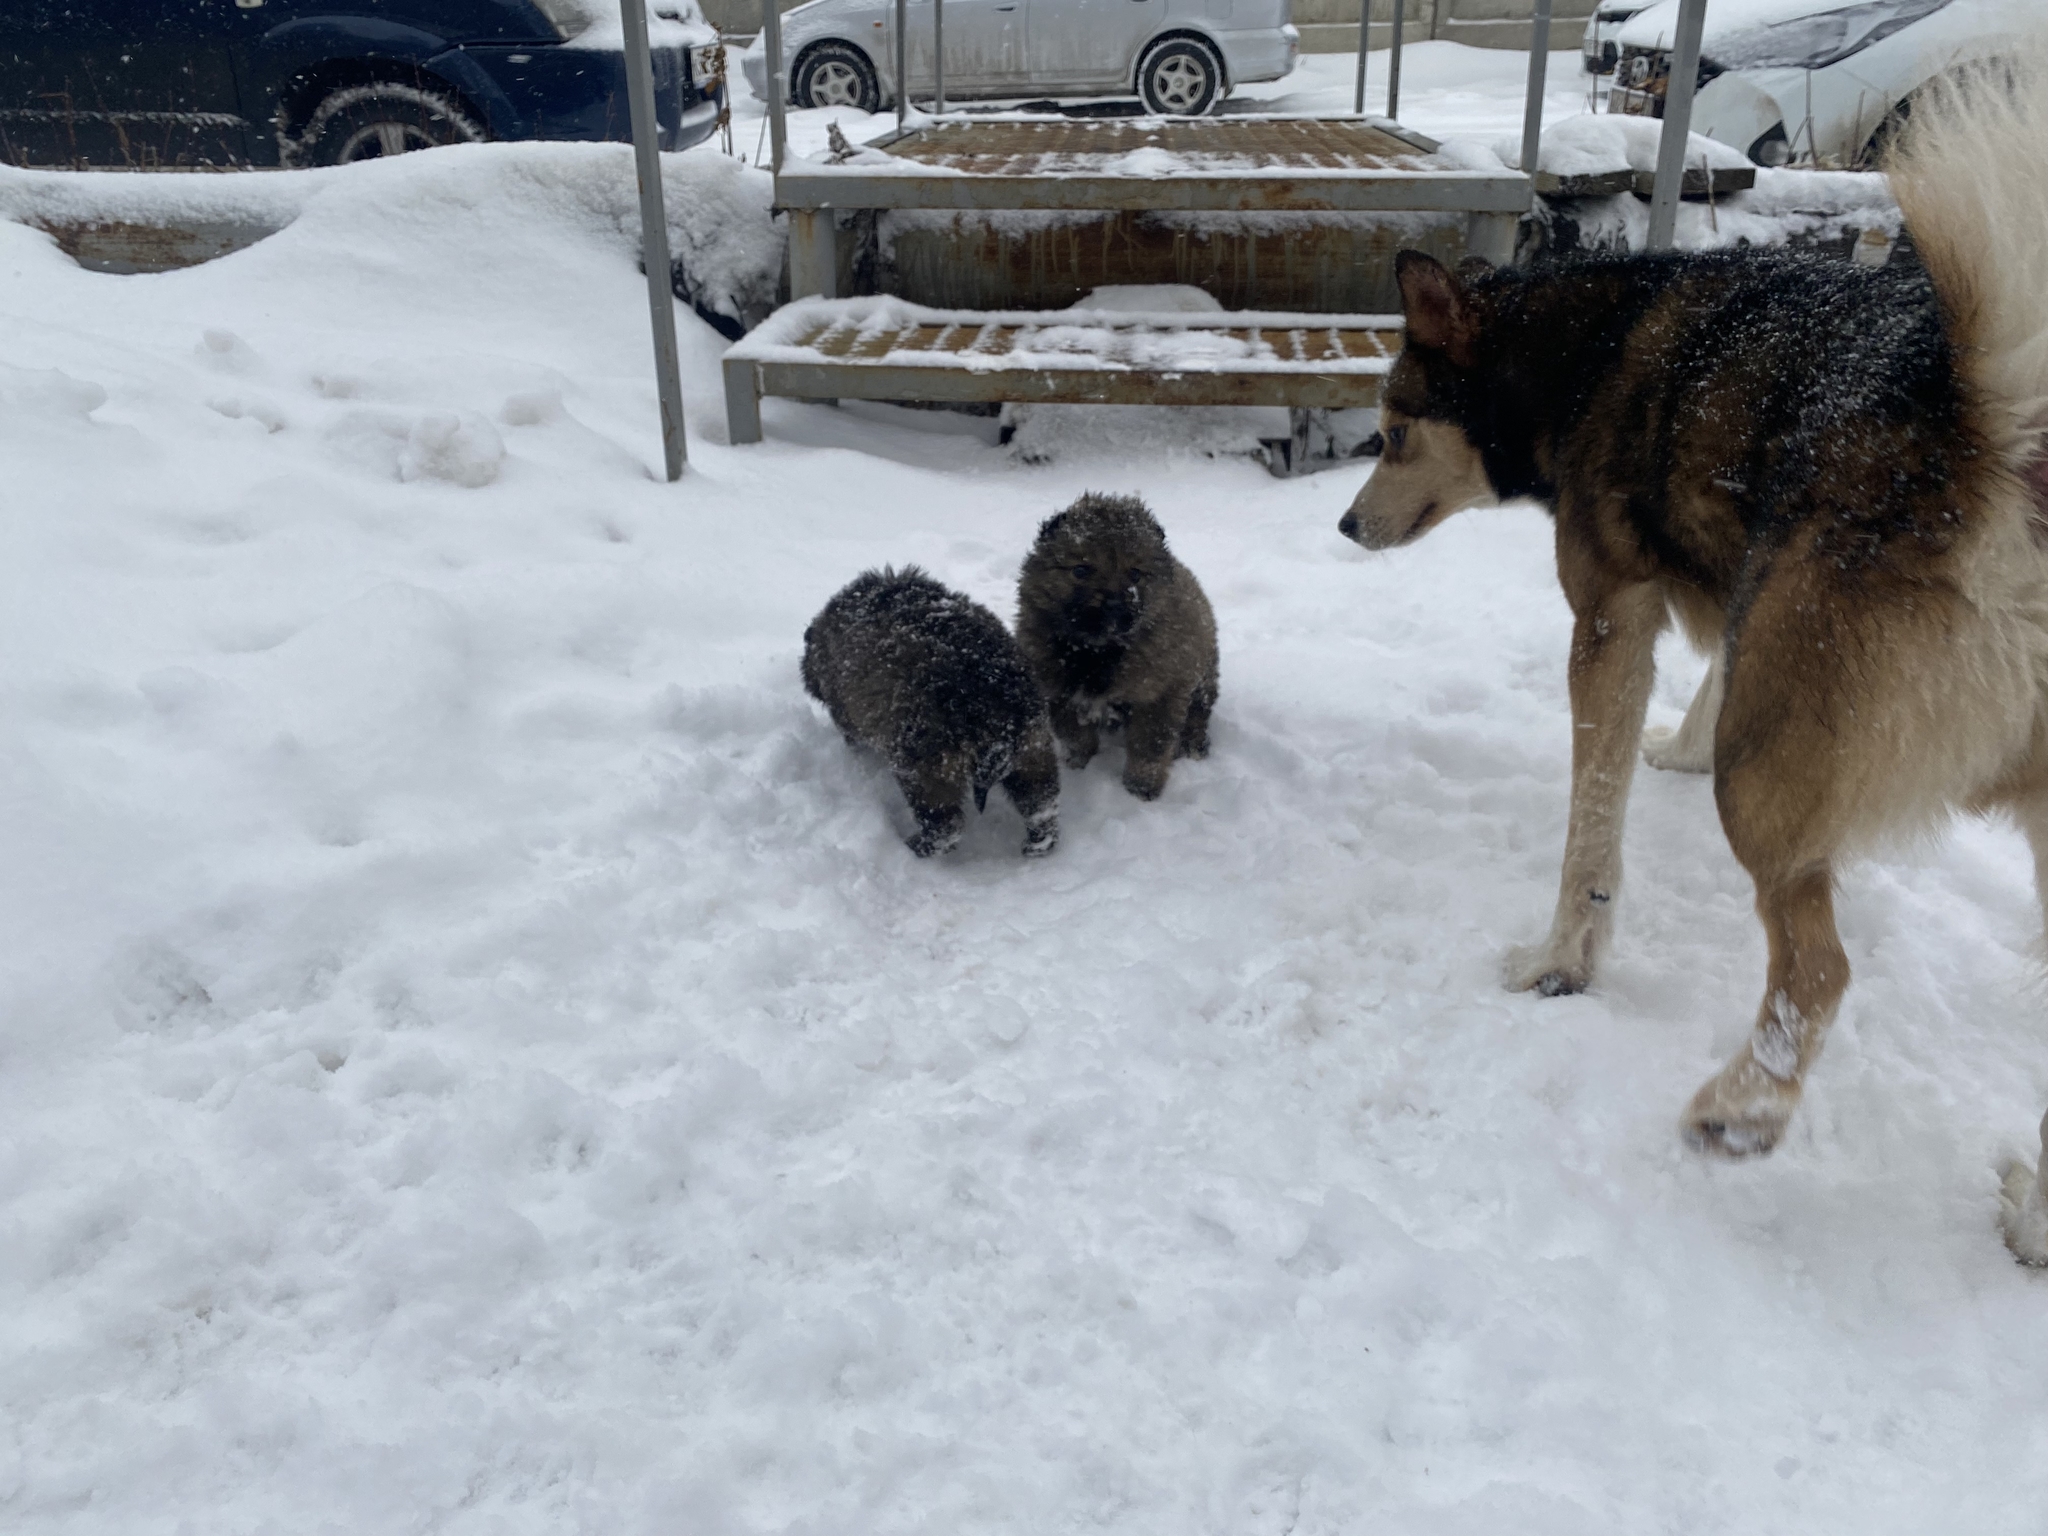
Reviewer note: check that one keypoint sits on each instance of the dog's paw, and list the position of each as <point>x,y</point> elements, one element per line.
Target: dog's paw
<point>1741,1111</point>
<point>1041,837</point>
<point>2023,1213</point>
<point>1146,781</point>
<point>928,843</point>
<point>1550,970</point>
<point>1080,757</point>
<point>1668,749</point>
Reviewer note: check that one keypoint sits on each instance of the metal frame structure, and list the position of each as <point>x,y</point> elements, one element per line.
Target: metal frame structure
<point>654,252</point>
<point>1393,57</point>
<point>1532,100</point>
<point>1678,91</point>
<point>816,194</point>
<point>826,351</point>
<point>1364,47</point>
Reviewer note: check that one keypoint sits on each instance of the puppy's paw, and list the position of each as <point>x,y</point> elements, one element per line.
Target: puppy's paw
<point>1145,780</point>
<point>1741,1111</point>
<point>1668,749</point>
<point>933,840</point>
<point>1080,757</point>
<point>1041,836</point>
<point>2023,1213</point>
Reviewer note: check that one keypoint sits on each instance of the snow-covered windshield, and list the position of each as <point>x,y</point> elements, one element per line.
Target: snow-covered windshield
<point>1813,42</point>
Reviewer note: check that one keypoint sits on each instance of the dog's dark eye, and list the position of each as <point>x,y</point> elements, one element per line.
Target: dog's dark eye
<point>1084,570</point>
<point>1396,436</point>
<point>1134,575</point>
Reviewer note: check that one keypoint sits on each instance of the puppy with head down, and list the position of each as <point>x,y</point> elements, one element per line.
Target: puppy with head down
<point>1118,632</point>
<point>931,680</point>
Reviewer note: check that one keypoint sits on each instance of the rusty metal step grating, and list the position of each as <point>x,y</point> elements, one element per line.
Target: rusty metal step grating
<point>1046,147</point>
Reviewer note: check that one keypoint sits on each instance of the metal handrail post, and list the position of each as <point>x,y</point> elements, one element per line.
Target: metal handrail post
<point>938,58</point>
<point>1394,64</point>
<point>1532,107</point>
<point>1364,38</point>
<point>902,63</point>
<point>661,303</point>
<point>1678,89</point>
<point>778,83</point>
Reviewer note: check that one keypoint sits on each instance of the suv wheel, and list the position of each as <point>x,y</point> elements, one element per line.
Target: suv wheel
<point>836,75</point>
<point>1180,78</point>
<point>368,122</point>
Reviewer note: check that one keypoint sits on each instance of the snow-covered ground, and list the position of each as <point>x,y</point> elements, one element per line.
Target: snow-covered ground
<point>475,1054</point>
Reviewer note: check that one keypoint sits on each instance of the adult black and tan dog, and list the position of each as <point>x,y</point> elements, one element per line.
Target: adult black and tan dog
<point>1834,478</point>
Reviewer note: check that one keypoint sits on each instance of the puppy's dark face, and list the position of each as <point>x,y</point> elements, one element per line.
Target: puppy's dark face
<point>1094,569</point>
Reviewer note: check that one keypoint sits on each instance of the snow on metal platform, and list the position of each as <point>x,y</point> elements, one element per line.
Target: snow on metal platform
<point>1224,165</point>
<point>1040,146</point>
<point>885,349</point>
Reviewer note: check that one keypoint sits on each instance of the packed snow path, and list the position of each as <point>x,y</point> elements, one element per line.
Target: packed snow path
<point>476,1055</point>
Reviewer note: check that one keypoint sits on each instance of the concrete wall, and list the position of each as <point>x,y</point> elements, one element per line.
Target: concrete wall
<point>1331,26</point>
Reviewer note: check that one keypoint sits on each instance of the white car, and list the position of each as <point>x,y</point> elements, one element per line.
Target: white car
<point>1180,57</point>
<point>1813,82</point>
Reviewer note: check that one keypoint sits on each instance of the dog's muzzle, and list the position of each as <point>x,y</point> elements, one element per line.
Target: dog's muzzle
<point>1110,623</point>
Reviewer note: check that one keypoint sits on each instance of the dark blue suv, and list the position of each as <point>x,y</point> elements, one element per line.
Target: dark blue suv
<point>144,83</point>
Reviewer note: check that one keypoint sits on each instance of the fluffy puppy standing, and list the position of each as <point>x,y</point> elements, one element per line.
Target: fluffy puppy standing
<point>1118,631</point>
<point>931,680</point>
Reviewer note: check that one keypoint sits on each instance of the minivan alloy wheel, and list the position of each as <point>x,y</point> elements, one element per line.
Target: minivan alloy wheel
<point>834,84</point>
<point>1181,78</point>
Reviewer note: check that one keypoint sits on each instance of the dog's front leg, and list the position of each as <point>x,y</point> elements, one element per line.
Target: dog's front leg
<point>1613,662</point>
<point>1077,733</point>
<point>1150,737</point>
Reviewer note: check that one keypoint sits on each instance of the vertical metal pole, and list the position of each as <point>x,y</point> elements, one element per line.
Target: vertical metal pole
<point>1685,70</point>
<point>938,58</point>
<point>1394,64</point>
<point>902,63</point>
<point>1532,106</point>
<point>778,84</point>
<point>661,303</point>
<point>1364,38</point>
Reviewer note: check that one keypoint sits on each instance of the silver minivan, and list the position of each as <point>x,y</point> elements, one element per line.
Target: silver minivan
<point>1179,57</point>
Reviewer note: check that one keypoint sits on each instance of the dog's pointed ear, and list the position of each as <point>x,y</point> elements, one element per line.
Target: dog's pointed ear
<point>1434,305</point>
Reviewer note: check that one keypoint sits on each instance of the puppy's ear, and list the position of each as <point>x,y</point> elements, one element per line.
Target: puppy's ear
<point>1434,305</point>
<point>1051,526</point>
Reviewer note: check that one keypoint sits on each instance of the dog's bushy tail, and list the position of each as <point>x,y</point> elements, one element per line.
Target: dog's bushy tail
<point>1970,171</point>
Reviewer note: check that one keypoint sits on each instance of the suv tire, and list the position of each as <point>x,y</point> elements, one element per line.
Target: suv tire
<point>836,75</point>
<point>369,122</point>
<point>1180,77</point>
